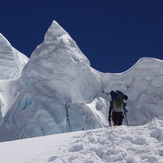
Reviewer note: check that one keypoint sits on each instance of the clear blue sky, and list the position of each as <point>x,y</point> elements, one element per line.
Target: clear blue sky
<point>113,34</point>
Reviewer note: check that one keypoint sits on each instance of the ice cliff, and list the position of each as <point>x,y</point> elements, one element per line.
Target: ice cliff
<point>60,92</point>
<point>11,64</point>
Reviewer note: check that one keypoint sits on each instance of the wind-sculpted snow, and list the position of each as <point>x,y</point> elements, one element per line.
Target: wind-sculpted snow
<point>11,60</point>
<point>60,92</point>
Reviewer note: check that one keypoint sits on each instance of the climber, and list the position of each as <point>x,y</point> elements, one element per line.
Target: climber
<point>117,107</point>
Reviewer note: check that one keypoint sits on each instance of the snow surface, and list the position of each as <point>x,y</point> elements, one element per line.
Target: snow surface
<point>58,91</point>
<point>139,144</point>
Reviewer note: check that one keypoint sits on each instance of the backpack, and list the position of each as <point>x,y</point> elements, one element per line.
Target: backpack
<point>118,101</point>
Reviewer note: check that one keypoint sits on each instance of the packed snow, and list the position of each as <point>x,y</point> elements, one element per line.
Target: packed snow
<point>123,144</point>
<point>57,91</point>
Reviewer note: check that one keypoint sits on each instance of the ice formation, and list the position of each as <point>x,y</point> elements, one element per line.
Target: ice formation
<point>60,92</point>
<point>11,60</point>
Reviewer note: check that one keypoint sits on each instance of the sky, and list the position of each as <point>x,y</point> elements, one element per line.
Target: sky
<point>112,34</point>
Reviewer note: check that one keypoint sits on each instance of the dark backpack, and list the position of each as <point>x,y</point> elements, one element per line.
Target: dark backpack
<point>118,100</point>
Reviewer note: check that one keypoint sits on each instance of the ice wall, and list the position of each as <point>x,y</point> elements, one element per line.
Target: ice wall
<point>11,65</point>
<point>56,81</point>
<point>143,83</point>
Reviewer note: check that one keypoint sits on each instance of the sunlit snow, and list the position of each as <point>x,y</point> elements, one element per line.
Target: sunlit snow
<point>117,144</point>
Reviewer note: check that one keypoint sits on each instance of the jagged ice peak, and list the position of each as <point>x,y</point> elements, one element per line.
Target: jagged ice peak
<point>55,30</point>
<point>11,60</point>
<point>3,40</point>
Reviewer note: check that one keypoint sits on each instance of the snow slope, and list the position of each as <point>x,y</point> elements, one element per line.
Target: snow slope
<point>141,144</point>
<point>60,92</point>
